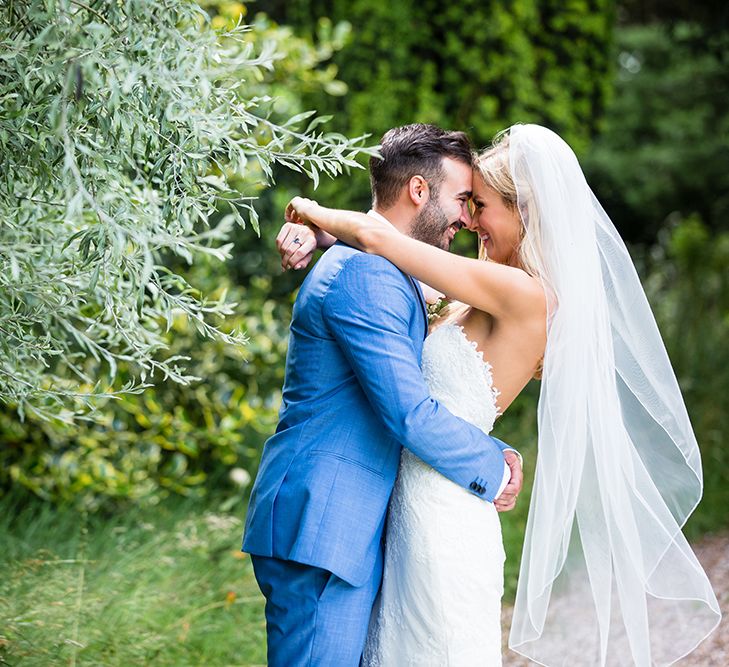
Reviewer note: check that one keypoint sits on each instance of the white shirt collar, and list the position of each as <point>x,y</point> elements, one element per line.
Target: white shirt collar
<point>379,216</point>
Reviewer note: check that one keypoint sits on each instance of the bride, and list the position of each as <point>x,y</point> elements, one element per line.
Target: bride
<point>606,577</point>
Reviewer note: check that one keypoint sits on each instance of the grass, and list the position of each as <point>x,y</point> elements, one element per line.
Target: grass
<point>168,587</point>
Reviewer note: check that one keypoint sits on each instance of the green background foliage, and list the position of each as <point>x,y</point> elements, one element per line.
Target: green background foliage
<point>472,65</point>
<point>664,148</point>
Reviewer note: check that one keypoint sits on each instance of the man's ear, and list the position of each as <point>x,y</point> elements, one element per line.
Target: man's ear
<point>418,190</point>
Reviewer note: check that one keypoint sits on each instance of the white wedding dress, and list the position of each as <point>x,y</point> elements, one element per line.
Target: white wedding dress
<point>440,602</point>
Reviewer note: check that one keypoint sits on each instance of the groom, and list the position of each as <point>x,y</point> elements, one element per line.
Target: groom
<point>354,396</point>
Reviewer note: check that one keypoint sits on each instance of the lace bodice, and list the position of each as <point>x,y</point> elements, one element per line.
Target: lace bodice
<point>458,377</point>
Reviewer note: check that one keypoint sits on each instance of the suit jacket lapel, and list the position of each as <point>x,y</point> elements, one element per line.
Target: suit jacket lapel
<point>421,300</point>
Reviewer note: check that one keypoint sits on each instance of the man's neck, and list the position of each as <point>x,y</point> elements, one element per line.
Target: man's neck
<point>398,219</point>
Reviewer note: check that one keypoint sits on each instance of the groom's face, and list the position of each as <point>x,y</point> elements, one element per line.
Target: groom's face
<point>446,210</point>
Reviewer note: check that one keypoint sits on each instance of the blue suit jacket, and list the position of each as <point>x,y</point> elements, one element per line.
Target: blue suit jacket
<point>353,396</point>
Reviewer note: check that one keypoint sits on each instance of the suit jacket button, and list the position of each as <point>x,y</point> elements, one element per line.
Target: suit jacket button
<point>474,486</point>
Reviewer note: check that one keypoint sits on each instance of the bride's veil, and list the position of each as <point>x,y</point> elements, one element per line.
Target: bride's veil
<point>607,577</point>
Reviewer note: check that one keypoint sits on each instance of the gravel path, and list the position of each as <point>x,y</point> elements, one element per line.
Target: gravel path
<point>713,553</point>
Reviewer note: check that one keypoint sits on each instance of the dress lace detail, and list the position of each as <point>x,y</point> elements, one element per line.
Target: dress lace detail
<point>440,602</point>
<point>453,375</point>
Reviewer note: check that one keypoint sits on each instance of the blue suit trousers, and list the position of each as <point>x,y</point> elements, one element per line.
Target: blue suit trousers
<point>314,618</point>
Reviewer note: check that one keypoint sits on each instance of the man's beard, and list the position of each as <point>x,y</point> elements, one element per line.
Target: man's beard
<point>430,225</point>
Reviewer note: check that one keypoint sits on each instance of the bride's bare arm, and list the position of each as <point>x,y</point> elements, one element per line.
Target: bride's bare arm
<point>494,288</point>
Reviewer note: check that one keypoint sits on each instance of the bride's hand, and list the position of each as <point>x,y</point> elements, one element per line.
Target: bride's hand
<point>296,245</point>
<point>300,210</point>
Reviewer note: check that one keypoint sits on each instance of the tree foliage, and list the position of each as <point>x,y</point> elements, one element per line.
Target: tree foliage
<point>192,438</point>
<point>712,15</point>
<point>665,146</point>
<point>125,129</point>
<point>172,438</point>
<point>471,65</point>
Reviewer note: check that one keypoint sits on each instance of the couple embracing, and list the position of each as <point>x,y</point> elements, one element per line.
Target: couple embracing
<point>373,523</point>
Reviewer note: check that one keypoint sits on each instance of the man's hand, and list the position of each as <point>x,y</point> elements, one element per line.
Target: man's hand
<point>296,244</point>
<point>507,500</point>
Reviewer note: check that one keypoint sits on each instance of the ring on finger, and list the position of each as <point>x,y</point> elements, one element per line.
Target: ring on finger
<point>297,241</point>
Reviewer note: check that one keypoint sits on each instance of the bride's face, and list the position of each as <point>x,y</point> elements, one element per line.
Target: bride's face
<point>497,225</point>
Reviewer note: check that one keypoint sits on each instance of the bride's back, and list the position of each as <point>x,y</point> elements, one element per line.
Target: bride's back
<point>513,348</point>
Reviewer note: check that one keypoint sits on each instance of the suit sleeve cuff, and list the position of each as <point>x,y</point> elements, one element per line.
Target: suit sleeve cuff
<point>505,479</point>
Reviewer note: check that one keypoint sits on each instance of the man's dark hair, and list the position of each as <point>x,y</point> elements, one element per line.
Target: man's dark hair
<point>410,150</point>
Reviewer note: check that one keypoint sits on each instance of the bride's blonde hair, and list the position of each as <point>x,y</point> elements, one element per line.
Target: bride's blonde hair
<point>494,168</point>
